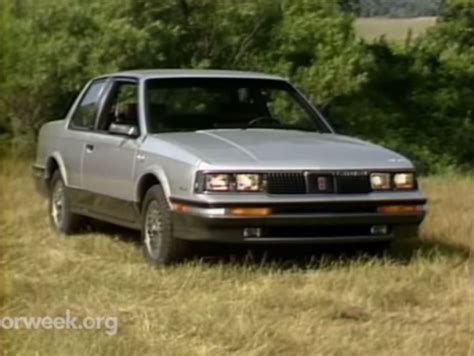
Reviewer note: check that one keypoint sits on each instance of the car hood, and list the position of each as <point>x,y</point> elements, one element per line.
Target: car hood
<point>283,149</point>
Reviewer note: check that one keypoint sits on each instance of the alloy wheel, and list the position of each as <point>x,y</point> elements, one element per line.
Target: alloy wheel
<point>153,229</point>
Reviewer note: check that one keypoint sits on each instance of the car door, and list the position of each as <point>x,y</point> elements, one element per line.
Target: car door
<point>81,123</point>
<point>109,159</point>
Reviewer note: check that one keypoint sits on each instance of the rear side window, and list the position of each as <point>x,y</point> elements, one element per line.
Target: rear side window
<point>86,113</point>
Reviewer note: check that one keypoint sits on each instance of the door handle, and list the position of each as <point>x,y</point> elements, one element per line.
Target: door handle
<point>89,148</point>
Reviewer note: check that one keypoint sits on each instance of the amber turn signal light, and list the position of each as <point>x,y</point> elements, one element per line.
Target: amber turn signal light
<point>250,211</point>
<point>181,207</point>
<point>394,209</point>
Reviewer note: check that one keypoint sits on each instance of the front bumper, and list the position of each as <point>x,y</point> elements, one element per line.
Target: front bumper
<point>310,227</point>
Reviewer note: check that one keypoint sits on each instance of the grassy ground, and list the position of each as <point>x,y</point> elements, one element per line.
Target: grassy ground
<point>393,29</point>
<point>336,304</point>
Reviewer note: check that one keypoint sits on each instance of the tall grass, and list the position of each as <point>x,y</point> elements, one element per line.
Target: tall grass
<point>336,304</point>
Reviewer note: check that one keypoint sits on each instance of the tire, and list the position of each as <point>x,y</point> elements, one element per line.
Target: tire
<point>61,217</point>
<point>159,245</point>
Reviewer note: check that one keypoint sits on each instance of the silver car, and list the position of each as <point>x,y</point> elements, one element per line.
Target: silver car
<point>222,156</point>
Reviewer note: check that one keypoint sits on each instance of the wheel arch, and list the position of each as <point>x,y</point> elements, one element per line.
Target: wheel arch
<point>54,162</point>
<point>149,179</point>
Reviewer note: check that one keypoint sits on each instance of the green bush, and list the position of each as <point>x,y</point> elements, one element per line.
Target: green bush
<point>417,99</point>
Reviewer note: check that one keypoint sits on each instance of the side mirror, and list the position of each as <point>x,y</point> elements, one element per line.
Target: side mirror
<point>123,130</point>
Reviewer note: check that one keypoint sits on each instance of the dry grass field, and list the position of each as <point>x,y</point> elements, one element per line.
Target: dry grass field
<point>393,29</point>
<point>320,302</point>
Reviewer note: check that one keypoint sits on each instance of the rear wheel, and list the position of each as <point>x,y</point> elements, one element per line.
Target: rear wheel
<point>61,216</point>
<point>159,245</point>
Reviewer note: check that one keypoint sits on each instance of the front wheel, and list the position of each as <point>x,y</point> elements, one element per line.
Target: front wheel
<point>60,214</point>
<point>159,245</point>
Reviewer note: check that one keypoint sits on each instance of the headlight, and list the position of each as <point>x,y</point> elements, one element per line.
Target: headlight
<point>227,182</point>
<point>380,181</point>
<point>404,181</point>
<point>217,182</point>
<point>248,182</point>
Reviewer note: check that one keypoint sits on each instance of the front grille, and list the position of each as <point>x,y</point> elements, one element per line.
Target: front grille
<point>353,184</point>
<point>338,182</point>
<point>286,183</point>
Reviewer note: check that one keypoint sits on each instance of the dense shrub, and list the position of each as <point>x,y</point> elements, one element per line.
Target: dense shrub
<point>417,98</point>
<point>60,44</point>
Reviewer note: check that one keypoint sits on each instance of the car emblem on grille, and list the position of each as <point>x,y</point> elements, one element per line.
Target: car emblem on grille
<point>322,183</point>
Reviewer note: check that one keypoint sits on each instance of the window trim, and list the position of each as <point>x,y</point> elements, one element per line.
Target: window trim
<point>77,104</point>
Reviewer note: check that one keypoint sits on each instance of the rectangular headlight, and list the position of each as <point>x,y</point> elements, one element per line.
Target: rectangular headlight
<point>217,182</point>
<point>380,181</point>
<point>232,182</point>
<point>404,181</point>
<point>248,182</point>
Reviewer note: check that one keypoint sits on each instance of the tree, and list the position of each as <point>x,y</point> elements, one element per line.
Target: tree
<point>63,43</point>
<point>419,99</point>
<point>445,59</point>
<point>5,60</point>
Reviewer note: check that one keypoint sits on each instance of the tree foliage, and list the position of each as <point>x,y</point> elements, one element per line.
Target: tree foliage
<point>417,99</point>
<point>5,44</point>
<point>60,44</point>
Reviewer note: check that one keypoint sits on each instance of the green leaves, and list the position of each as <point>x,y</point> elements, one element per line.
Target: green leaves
<point>65,42</point>
<point>418,99</point>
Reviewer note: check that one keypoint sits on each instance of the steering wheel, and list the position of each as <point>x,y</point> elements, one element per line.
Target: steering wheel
<point>263,119</point>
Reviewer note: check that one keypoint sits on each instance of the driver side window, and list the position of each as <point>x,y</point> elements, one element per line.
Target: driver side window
<point>122,106</point>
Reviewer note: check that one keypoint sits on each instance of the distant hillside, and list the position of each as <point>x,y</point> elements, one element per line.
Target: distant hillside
<point>393,8</point>
<point>391,28</point>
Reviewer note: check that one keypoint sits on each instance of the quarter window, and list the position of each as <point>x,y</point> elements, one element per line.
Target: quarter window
<point>86,112</point>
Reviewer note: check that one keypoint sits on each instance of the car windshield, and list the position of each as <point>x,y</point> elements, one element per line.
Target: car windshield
<point>191,104</point>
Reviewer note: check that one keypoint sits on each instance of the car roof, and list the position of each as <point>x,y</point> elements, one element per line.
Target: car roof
<point>191,73</point>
